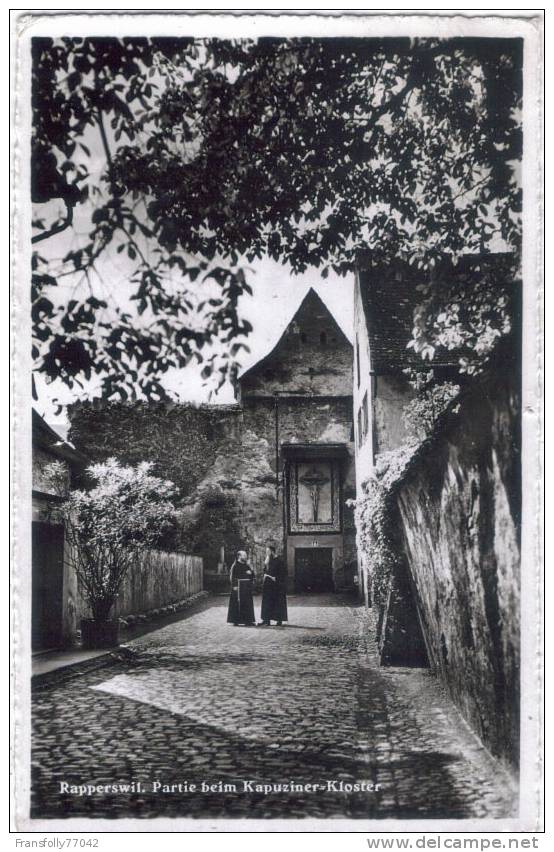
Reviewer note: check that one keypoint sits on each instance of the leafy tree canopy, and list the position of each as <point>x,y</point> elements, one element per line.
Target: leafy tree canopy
<point>213,153</point>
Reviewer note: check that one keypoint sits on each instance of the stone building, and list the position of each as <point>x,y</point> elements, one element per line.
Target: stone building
<point>277,466</point>
<point>53,582</point>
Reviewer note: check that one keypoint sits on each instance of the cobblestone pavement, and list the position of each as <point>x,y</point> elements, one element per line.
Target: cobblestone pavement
<point>202,701</point>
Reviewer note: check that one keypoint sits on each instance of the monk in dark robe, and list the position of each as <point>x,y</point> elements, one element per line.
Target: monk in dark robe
<point>274,589</point>
<point>241,603</point>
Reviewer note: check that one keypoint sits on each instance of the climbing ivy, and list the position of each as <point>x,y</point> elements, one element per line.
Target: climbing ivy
<point>375,510</point>
<point>432,398</point>
<point>376,521</point>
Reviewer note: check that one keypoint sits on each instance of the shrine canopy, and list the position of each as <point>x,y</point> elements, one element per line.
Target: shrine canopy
<point>314,451</point>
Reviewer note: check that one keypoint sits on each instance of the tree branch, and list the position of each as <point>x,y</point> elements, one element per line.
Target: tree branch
<point>471,188</point>
<point>108,154</point>
<point>56,229</point>
<point>104,139</point>
<point>411,81</point>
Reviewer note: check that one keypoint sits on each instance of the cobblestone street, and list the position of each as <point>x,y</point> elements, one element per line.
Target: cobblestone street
<point>202,701</point>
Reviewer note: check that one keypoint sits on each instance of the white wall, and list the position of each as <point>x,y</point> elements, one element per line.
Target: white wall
<point>363,384</point>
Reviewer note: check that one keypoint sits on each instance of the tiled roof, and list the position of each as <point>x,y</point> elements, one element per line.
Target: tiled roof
<point>47,439</point>
<point>388,307</point>
<point>389,297</point>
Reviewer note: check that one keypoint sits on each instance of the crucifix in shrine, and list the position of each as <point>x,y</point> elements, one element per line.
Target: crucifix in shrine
<point>314,480</point>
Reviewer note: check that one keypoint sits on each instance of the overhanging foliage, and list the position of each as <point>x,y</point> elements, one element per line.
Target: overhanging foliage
<point>214,153</point>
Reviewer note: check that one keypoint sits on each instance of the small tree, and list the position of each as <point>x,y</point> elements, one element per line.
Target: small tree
<point>111,525</point>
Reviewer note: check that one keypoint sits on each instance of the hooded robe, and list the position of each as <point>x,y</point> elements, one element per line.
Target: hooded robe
<point>241,603</point>
<point>274,591</point>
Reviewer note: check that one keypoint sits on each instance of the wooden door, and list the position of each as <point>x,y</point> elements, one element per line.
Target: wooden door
<point>313,569</point>
<point>47,594</point>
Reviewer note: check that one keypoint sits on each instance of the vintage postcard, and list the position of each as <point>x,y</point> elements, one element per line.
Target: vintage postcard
<point>277,378</point>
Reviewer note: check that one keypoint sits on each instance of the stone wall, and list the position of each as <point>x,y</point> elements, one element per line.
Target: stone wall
<point>313,357</point>
<point>223,459</point>
<point>459,513</point>
<point>317,420</point>
<point>227,461</point>
<point>183,441</point>
<point>188,444</point>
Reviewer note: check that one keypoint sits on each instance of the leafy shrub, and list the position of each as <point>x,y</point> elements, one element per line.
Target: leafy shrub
<point>108,527</point>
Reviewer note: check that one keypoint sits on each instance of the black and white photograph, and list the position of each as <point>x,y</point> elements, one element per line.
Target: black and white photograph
<point>277,379</point>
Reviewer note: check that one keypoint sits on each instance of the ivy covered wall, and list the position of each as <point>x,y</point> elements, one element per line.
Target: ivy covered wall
<point>460,510</point>
<point>441,520</point>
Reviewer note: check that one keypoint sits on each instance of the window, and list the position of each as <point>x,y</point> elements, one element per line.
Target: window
<point>363,421</point>
<point>303,337</point>
<point>357,360</point>
<point>323,338</point>
<point>365,417</point>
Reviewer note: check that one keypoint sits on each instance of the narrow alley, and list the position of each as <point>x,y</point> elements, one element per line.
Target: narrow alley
<point>200,702</point>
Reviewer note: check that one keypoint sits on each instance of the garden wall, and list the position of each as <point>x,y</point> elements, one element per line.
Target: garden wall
<point>159,579</point>
<point>458,506</point>
<point>156,580</point>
